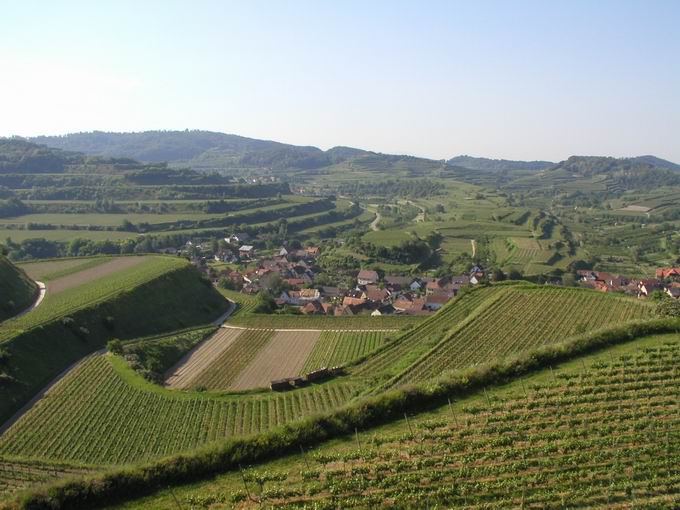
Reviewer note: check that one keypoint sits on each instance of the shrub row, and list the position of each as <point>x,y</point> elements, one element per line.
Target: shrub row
<point>137,481</point>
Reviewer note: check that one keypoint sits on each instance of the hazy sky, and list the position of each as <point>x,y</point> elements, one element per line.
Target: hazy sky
<point>522,80</point>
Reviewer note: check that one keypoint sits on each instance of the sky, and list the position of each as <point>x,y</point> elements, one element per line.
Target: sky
<point>505,79</point>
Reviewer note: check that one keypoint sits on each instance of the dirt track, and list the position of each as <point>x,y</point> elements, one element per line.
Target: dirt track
<point>284,356</point>
<point>81,277</point>
<point>198,359</point>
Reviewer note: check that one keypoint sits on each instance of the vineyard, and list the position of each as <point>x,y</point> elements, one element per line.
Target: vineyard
<point>519,320</point>
<point>494,322</point>
<point>245,304</point>
<point>222,372</point>
<point>95,291</point>
<point>53,269</point>
<point>101,414</point>
<point>358,322</point>
<point>16,474</point>
<point>596,435</point>
<point>336,348</point>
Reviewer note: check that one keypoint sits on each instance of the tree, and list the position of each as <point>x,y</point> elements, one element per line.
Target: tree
<point>115,346</point>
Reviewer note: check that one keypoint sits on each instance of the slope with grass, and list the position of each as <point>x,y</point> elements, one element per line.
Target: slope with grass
<point>156,295</point>
<point>17,290</point>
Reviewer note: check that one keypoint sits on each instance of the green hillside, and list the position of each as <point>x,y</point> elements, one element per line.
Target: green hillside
<point>159,294</point>
<point>17,290</point>
<point>596,433</point>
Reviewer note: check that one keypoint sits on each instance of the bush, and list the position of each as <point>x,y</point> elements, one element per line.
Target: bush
<point>668,307</point>
<point>115,346</point>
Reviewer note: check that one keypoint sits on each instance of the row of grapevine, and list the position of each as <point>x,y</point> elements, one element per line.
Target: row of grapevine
<point>335,348</point>
<point>519,320</point>
<point>358,322</point>
<point>602,437</point>
<point>426,334</point>
<point>228,365</point>
<point>95,416</point>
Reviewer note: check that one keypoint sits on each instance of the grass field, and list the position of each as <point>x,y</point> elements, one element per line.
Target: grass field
<point>544,441</point>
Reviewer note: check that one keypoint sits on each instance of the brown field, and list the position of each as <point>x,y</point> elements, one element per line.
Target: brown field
<point>38,270</point>
<point>182,375</point>
<point>100,271</point>
<point>283,356</point>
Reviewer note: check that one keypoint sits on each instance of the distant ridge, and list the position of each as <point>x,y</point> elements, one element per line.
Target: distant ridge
<point>498,165</point>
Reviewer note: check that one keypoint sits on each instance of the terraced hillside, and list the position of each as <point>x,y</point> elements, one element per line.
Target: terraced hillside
<point>129,419</point>
<point>146,295</point>
<point>17,290</point>
<point>496,322</point>
<point>597,434</point>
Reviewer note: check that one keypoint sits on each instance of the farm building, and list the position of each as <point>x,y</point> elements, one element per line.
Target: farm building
<point>367,277</point>
<point>246,251</point>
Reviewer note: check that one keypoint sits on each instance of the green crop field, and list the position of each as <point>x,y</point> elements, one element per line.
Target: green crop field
<point>537,442</point>
<point>228,365</point>
<point>104,413</point>
<point>336,348</point>
<point>63,235</point>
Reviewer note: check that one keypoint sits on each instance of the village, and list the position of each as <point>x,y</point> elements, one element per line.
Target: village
<point>295,282</point>
<point>298,284</point>
<point>667,282</point>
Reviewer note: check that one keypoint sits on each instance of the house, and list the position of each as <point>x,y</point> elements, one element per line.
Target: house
<point>384,310</point>
<point>299,297</point>
<point>353,301</point>
<point>418,308</point>
<point>246,251</point>
<point>312,251</point>
<point>403,303</point>
<point>668,273</point>
<point>416,285</point>
<point>436,301</point>
<point>238,238</point>
<point>367,277</point>
<point>283,252</point>
<point>331,292</point>
<point>375,294</point>
<point>397,282</point>
<point>312,308</point>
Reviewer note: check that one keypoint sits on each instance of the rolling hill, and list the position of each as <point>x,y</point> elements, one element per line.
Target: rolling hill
<point>17,290</point>
<point>499,165</point>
